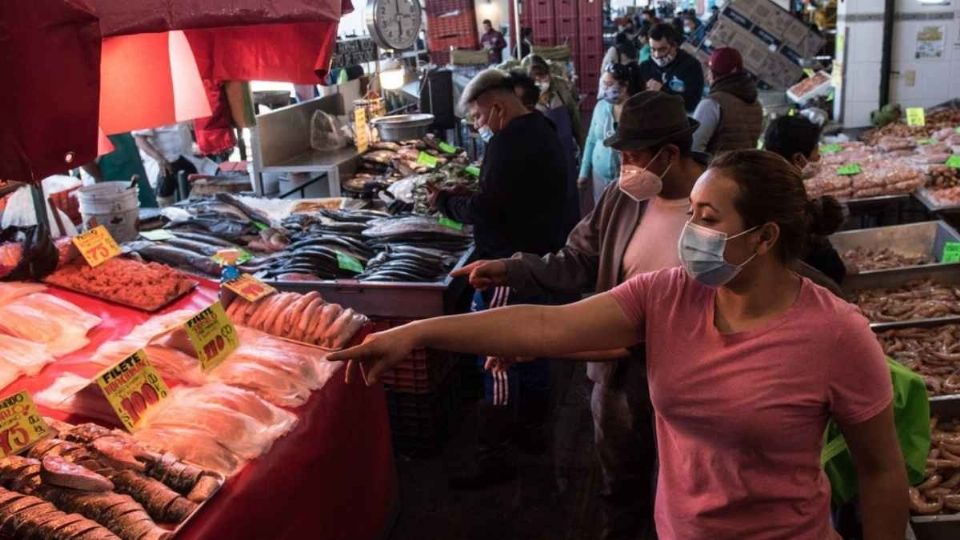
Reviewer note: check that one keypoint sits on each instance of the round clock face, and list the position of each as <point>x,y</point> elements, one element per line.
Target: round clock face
<point>394,24</point>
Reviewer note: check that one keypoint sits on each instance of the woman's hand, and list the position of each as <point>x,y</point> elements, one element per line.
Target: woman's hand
<point>378,353</point>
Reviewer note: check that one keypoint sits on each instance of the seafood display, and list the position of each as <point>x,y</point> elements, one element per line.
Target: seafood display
<point>300,317</point>
<point>878,176</point>
<point>865,259</point>
<point>146,286</point>
<point>388,162</point>
<point>42,318</point>
<point>934,353</point>
<point>936,124</point>
<point>943,177</point>
<point>945,196</point>
<point>940,490</point>
<point>920,299</point>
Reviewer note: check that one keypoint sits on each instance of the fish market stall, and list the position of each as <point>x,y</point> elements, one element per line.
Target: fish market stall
<point>263,445</point>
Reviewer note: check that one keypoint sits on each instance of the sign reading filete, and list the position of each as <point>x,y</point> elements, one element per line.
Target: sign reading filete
<point>96,246</point>
<point>132,386</point>
<point>212,335</point>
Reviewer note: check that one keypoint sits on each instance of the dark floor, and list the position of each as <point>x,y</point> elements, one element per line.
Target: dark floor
<point>554,497</point>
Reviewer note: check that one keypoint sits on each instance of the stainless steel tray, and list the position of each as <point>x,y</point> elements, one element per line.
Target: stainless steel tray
<point>880,199</point>
<point>945,274</point>
<point>941,526</point>
<point>926,238</point>
<point>944,405</point>
<point>387,300</point>
<point>933,205</point>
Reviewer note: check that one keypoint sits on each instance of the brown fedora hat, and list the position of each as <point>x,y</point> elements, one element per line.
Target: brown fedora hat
<point>650,118</point>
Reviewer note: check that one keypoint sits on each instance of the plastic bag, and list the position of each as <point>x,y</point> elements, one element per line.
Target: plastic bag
<point>74,394</point>
<point>27,356</point>
<point>325,133</point>
<point>43,318</point>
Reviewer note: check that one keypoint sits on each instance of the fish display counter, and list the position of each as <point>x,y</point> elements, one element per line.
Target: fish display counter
<point>263,445</point>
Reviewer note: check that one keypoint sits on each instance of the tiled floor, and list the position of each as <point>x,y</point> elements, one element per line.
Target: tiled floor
<point>554,497</point>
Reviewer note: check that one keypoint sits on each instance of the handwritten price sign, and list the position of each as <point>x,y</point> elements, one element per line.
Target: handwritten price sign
<point>20,423</point>
<point>212,335</point>
<point>96,246</point>
<point>132,386</point>
<point>249,288</point>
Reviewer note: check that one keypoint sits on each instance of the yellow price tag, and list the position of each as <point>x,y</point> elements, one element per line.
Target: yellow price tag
<point>249,288</point>
<point>916,116</point>
<point>212,335</point>
<point>132,386</point>
<point>361,130</point>
<point>21,424</point>
<point>96,246</point>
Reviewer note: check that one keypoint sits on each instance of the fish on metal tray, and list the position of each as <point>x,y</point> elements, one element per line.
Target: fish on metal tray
<point>250,212</point>
<point>411,226</point>
<point>227,229</point>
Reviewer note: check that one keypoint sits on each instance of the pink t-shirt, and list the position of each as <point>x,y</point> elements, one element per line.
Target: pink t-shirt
<point>653,245</point>
<point>740,417</point>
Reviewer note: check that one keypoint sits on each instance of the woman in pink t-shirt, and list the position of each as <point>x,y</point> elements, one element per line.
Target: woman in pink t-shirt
<point>747,362</point>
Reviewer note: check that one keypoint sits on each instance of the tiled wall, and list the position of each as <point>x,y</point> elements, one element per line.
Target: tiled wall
<point>922,82</point>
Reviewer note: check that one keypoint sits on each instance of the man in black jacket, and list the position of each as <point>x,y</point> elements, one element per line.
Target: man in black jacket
<point>670,69</point>
<point>521,206</point>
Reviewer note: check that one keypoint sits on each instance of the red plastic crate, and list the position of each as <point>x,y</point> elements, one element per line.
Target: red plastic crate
<point>462,26</point>
<point>565,8</point>
<point>540,9</point>
<point>590,45</point>
<point>567,29</point>
<point>544,29</point>
<point>589,63</point>
<point>440,58</point>
<point>589,8</point>
<point>590,25</point>
<point>546,41</point>
<point>438,7</point>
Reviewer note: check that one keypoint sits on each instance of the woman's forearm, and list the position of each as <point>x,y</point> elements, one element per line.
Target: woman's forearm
<point>884,504</point>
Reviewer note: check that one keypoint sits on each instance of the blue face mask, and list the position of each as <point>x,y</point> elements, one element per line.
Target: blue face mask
<point>485,133</point>
<point>610,93</point>
<point>701,255</point>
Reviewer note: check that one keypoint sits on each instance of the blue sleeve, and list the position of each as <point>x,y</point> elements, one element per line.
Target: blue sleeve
<point>592,136</point>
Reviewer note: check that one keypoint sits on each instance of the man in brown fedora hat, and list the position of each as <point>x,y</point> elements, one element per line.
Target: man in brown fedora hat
<point>634,228</point>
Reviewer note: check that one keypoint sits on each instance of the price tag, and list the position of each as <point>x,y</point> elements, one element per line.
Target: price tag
<point>361,130</point>
<point>231,256</point>
<point>473,171</point>
<point>157,235</point>
<point>828,149</point>
<point>953,161</point>
<point>212,335</point>
<point>956,129</point>
<point>808,72</point>
<point>951,252</point>
<point>260,226</point>
<point>21,424</point>
<point>449,223</point>
<point>849,169</point>
<point>427,160</point>
<point>250,288</point>
<point>924,142</point>
<point>916,116</point>
<point>132,386</point>
<point>96,246</point>
<point>444,147</point>
<point>348,263</point>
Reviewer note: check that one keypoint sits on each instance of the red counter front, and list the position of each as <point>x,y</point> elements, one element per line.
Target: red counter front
<point>332,477</point>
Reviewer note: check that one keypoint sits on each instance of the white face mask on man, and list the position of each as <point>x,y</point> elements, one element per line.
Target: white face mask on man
<point>665,60</point>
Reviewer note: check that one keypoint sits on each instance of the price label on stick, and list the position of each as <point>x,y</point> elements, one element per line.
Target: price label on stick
<point>473,171</point>
<point>828,149</point>
<point>427,160</point>
<point>157,235</point>
<point>924,142</point>
<point>951,252</point>
<point>21,424</point>
<point>447,148</point>
<point>450,224</point>
<point>849,169</point>
<point>96,246</point>
<point>348,263</point>
<point>212,335</point>
<point>132,386</point>
<point>250,288</point>
<point>916,116</point>
<point>361,130</point>
<point>953,161</point>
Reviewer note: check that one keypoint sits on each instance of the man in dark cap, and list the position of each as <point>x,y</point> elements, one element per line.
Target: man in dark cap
<point>670,69</point>
<point>731,117</point>
<point>634,228</point>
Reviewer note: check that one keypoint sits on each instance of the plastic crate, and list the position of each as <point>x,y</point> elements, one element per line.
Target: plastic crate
<point>588,103</point>
<point>462,27</point>
<point>544,29</point>
<point>565,9</point>
<point>540,9</point>
<point>590,45</point>
<point>439,7</point>
<point>589,8</point>
<point>440,58</point>
<point>567,29</point>
<point>588,62</point>
<point>420,423</point>
<point>590,25</point>
<point>422,372</point>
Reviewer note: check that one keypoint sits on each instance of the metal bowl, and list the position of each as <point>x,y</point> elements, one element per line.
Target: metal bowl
<point>402,127</point>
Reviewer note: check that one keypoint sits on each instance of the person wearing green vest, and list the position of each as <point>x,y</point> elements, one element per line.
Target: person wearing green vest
<point>120,166</point>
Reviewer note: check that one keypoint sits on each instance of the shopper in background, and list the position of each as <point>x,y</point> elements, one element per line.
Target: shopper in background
<point>557,93</point>
<point>526,42</point>
<point>624,51</point>
<point>122,165</point>
<point>648,19</point>
<point>634,228</point>
<point>165,150</point>
<point>731,117</point>
<point>520,207</point>
<point>601,164</point>
<point>797,140</point>
<point>670,69</point>
<point>693,29</point>
<point>643,42</point>
<point>493,42</point>
<point>747,363</point>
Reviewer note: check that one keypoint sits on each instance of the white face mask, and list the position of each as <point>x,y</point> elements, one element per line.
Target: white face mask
<point>543,86</point>
<point>485,133</point>
<point>701,255</point>
<point>641,184</point>
<point>664,60</point>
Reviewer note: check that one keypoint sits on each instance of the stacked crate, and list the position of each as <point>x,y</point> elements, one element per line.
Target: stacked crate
<point>450,24</point>
<point>422,397</point>
<point>589,50</point>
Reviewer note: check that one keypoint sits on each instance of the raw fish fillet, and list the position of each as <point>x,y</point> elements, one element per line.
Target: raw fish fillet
<point>8,374</point>
<point>273,418</point>
<point>274,385</point>
<point>191,445</point>
<point>28,356</point>
<point>69,393</point>
<point>43,318</point>
<point>13,290</point>
<point>236,431</point>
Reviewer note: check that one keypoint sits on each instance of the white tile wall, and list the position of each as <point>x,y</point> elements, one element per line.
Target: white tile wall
<point>864,81</point>
<point>864,41</point>
<point>857,113</point>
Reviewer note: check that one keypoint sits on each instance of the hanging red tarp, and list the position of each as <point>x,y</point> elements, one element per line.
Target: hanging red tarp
<point>50,61</point>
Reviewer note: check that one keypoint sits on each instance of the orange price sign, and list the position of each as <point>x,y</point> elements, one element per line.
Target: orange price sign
<point>250,288</point>
<point>212,335</point>
<point>132,386</point>
<point>21,424</point>
<point>96,246</point>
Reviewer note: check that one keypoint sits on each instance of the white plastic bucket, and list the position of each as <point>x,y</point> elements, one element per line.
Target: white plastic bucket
<point>112,204</point>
